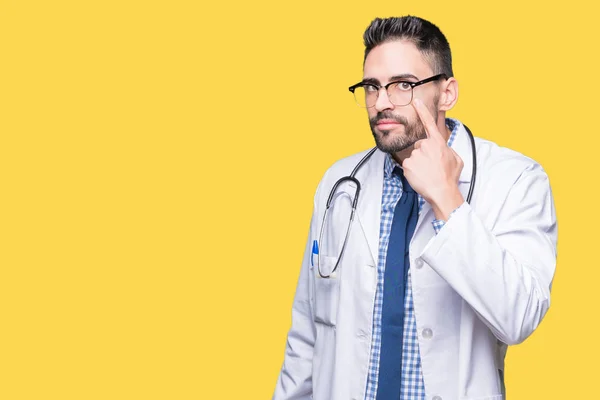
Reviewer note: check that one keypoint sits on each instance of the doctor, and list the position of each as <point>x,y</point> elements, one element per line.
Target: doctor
<point>430,289</point>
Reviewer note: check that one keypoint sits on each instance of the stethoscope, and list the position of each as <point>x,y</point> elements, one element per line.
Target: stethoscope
<point>352,178</point>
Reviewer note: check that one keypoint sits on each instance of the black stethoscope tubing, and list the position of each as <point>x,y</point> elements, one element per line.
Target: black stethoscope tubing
<point>352,178</point>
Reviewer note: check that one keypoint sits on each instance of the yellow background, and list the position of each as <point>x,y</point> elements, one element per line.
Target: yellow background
<point>158,161</point>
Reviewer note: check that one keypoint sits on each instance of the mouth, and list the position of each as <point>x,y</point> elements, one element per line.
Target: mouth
<point>387,124</point>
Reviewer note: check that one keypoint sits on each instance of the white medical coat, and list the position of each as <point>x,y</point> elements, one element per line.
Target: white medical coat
<point>482,283</point>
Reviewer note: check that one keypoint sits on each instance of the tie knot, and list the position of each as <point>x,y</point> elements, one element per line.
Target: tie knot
<point>405,185</point>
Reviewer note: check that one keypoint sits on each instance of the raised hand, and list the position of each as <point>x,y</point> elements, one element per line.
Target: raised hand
<point>433,168</point>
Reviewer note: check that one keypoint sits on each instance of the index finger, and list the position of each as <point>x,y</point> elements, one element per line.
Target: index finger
<point>427,119</point>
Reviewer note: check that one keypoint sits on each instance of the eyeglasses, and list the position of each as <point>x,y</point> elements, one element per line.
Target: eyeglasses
<point>400,93</point>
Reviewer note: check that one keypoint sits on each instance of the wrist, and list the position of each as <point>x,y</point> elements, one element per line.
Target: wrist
<point>446,202</point>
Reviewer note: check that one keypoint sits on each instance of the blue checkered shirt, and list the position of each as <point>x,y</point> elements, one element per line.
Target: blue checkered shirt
<point>412,385</point>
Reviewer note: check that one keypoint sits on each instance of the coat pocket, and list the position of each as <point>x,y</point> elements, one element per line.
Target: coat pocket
<point>327,292</point>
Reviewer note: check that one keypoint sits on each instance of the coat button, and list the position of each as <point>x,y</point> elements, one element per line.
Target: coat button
<point>419,263</point>
<point>428,334</point>
<point>436,398</point>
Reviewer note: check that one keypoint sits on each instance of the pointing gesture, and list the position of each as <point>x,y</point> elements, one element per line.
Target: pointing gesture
<point>428,122</point>
<point>433,168</point>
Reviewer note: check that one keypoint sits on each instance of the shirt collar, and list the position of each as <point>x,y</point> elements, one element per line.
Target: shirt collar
<point>390,163</point>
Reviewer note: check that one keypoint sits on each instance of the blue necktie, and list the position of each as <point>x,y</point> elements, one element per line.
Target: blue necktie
<point>397,262</point>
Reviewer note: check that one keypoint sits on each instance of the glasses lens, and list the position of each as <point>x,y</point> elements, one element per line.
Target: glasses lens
<point>400,94</point>
<point>360,96</point>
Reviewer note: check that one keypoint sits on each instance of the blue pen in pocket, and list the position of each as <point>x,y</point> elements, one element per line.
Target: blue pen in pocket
<point>315,252</point>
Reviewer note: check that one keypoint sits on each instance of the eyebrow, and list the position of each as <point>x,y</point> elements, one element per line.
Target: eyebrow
<point>374,81</point>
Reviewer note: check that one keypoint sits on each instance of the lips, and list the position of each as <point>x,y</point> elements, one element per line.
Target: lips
<point>387,123</point>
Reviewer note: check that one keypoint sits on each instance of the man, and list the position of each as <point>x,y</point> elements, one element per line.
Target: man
<point>429,289</point>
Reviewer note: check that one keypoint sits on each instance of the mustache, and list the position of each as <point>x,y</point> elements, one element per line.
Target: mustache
<point>388,115</point>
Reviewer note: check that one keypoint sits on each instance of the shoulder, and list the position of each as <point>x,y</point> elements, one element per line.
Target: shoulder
<point>506,176</point>
<point>491,157</point>
<point>344,167</point>
<point>502,162</point>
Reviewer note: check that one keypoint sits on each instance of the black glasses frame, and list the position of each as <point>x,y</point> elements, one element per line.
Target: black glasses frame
<point>412,86</point>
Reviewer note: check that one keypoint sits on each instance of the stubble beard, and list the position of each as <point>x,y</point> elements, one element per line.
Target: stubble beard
<point>413,131</point>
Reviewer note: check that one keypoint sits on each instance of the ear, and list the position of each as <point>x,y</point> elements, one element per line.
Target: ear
<point>448,95</point>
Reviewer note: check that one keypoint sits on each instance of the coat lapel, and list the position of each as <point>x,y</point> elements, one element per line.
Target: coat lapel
<point>369,202</point>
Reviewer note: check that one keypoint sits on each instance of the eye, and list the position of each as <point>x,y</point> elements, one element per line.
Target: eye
<point>371,88</point>
<point>404,86</point>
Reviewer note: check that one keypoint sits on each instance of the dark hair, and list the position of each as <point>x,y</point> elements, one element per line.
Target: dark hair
<point>427,37</point>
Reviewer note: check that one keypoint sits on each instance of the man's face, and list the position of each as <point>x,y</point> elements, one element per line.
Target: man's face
<point>396,128</point>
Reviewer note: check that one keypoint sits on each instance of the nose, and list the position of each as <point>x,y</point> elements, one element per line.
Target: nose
<point>383,101</point>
